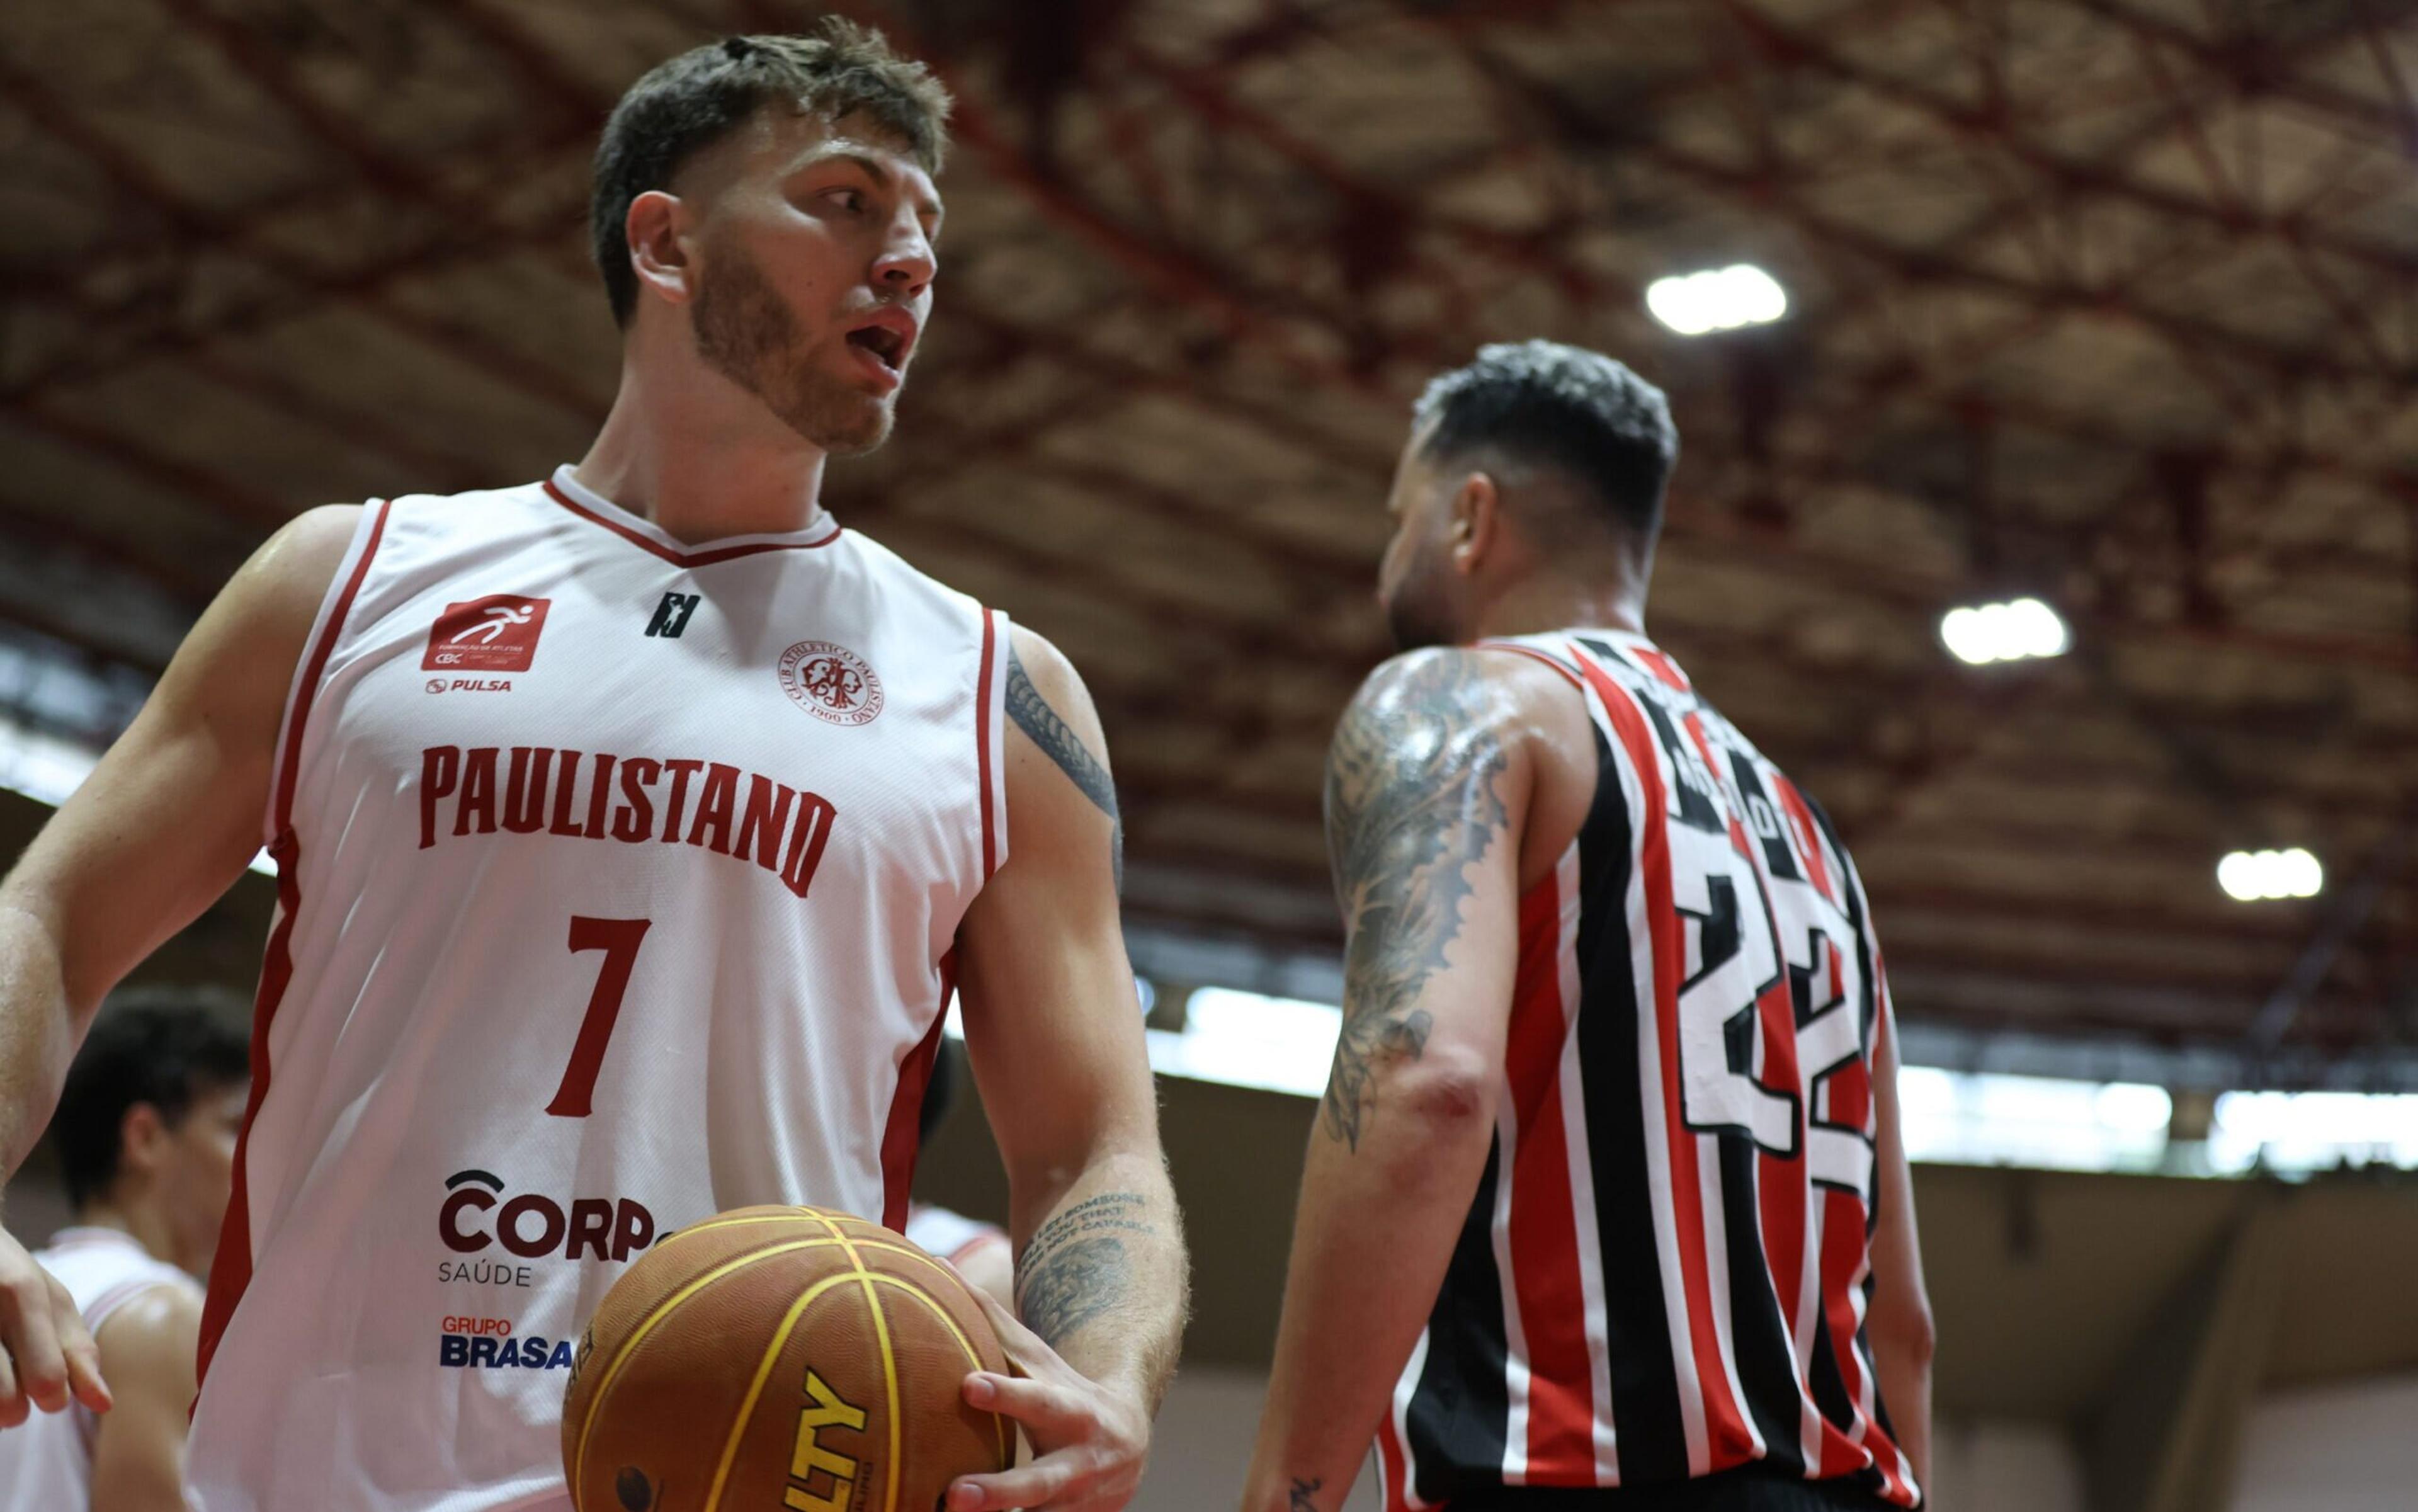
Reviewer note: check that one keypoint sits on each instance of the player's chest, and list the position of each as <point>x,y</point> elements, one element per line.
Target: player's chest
<point>589,697</point>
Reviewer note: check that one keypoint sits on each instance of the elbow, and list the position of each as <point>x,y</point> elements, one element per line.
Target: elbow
<point>1907,1332</point>
<point>1445,1096</point>
<point>1451,1087</point>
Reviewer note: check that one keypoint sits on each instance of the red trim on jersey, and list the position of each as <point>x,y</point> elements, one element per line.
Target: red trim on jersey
<point>1531,650</point>
<point>982,744</point>
<point>1550,1294</point>
<point>681,558</point>
<point>1393,1471</point>
<point>1728,1441</point>
<point>1664,670</point>
<point>902,1136</point>
<point>231,1268</point>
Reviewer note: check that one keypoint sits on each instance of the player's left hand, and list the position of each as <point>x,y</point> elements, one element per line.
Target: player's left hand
<point>1089,1441</point>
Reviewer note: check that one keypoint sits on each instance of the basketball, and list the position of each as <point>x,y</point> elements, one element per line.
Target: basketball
<point>779,1356</point>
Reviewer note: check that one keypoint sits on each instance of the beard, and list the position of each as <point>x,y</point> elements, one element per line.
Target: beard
<point>749,335</point>
<point>1418,610</point>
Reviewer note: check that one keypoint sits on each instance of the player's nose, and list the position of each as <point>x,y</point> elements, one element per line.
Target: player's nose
<point>907,263</point>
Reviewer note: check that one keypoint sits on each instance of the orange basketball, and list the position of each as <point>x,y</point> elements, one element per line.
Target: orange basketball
<point>780,1357</point>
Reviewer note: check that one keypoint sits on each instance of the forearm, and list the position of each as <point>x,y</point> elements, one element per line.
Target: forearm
<point>37,1026</point>
<point>1372,1236</point>
<point>1101,1273</point>
<point>1903,1365</point>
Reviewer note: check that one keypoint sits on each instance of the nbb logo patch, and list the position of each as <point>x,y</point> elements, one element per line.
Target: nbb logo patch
<point>495,634</point>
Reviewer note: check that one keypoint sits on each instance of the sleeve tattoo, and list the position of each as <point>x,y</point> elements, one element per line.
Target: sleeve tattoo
<point>1036,719</point>
<point>1411,800</point>
<point>1075,1268</point>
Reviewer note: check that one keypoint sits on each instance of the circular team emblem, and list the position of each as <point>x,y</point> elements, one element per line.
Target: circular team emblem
<point>830,682</point>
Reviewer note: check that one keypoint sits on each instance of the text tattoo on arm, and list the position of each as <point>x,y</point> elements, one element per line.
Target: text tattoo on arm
<point>1077,1268</point>
<point>1411,801</point>
<point>1036,719</point>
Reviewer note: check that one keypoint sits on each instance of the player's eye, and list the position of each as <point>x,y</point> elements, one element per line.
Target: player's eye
<point>850,200</point>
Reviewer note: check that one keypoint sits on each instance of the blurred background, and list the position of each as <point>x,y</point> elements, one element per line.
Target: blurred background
<point>2049,509</point>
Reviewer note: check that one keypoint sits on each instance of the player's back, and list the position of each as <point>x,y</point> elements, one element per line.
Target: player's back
<point>618,880</point>
<point>1665,1272</point>
<point>46,1464</point>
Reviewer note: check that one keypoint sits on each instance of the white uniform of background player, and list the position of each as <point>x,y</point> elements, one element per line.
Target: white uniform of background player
<point>46,1466</point>
<point>620,884</point>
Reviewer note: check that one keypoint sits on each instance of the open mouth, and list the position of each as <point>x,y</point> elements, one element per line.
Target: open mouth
<point>886,346</point>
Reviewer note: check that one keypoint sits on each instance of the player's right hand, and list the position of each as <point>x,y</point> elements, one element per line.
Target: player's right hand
<point>46,1353</point>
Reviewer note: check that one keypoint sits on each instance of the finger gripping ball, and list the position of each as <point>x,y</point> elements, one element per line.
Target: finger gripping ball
<point>780,1357</point>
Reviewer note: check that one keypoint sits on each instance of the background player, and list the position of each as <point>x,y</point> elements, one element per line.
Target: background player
<point>632,831</point>
<point>145,1134</point>
<point>1607,1189</point>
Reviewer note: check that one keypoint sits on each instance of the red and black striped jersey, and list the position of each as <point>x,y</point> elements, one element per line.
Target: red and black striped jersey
<point>1666,1269</point>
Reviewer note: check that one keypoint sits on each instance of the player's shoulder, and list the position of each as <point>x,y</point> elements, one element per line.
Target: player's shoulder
<point>1038,659</point>
<point>1460,688</point>
<point>308,548</point>
<point>153,1330</point>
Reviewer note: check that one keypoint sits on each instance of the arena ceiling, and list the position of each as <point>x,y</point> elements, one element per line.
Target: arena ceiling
<point>2110,301</point>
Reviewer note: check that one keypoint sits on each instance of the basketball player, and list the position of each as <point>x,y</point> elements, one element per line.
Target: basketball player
<point>1606,1206</point>
<point>145,1134</point>
<point>633,828</point>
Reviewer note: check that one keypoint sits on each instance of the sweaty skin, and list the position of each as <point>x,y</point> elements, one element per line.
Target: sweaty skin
<point>1457,779</point>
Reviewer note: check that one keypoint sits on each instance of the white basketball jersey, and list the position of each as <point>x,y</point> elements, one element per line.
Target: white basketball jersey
<point>618,882</point>
<point>951,1235</point>
<point>46,1464</point>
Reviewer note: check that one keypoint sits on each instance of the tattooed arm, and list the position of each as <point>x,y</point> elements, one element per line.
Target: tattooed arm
<point>1054,1032</point>
<point>1426,788</point>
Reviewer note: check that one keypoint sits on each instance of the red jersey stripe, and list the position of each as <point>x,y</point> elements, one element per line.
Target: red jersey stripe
<point>982,744</point>
<point>231,1267</point>
<point>1728,1439</point>
<point>1550,1294</point>
<point>902,1136</point>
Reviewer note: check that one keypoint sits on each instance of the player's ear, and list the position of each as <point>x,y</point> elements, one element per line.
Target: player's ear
<point>1477,516</point>
<point>142,1138</point>
<point>659,251</point>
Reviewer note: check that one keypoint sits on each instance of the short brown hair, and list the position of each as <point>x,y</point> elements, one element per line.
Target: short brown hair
<point>681,107</point>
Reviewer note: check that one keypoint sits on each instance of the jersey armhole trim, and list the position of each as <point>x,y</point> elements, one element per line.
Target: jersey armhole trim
<point>990,739</point>
<point>1596,689</point>
<point>300,694</point>
<point>1546,657</point>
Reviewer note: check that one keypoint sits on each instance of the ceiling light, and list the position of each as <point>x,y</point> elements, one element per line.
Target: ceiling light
<point>2252,876</point>
<point>1718,298</point>
<point>2004,632</point>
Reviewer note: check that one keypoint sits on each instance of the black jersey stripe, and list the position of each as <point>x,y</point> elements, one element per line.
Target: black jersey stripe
<point>1652,1444</point>
<point>1767,1365</point>
<point>1459,1414</point>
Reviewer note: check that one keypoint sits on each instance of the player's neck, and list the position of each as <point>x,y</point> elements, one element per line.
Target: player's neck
<point>700,468</point>
<point>1539,605</point>
<point>137,1221</point>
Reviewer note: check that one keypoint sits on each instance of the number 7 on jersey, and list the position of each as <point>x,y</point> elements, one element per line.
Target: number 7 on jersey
<point>618,939</point>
